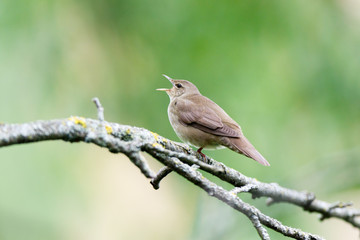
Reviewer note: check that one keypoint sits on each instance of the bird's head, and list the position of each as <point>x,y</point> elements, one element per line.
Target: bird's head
<point>180,88</point>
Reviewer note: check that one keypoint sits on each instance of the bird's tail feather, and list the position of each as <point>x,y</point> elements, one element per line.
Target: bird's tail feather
<point>243,146</point>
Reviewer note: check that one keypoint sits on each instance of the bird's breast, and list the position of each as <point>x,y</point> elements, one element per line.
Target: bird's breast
<point>191,135</point>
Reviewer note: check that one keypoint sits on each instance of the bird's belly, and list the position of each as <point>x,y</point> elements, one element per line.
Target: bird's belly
<point>194,136</point>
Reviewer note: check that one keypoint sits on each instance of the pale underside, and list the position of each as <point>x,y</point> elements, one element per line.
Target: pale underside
<point>200,122</point>
<point>201,125</point>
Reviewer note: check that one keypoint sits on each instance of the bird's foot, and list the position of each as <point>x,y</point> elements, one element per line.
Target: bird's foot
<point>201,154</point>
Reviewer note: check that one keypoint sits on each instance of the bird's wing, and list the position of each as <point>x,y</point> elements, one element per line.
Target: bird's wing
<point>203,117</point>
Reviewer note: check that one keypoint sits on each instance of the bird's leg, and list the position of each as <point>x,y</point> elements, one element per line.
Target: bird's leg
<point>202,155</point>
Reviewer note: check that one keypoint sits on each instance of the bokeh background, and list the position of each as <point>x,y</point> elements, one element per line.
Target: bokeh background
<point>287,71</point>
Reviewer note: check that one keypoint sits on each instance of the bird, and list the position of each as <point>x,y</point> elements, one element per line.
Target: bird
<point>200,122</point>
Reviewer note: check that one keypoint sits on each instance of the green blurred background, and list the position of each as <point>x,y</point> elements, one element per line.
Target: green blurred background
<point>287,71</point>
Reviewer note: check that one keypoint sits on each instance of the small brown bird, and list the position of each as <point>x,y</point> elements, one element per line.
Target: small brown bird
<point>200,122</point>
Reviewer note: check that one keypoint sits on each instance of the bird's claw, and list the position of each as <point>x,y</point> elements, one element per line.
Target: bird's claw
<point>203,156</point>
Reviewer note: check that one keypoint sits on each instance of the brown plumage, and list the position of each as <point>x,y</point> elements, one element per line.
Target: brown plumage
<point>202,123</point>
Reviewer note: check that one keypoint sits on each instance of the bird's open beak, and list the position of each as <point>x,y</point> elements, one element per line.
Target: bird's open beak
<point>165,89</point>
<point>168,78</point>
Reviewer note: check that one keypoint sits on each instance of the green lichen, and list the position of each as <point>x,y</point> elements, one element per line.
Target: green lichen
<point>127,136</point>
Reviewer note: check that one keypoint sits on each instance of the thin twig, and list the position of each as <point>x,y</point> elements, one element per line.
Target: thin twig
<point>259,228</point>
<point>141,163</point>
<point>99,108</point>
<point>163,172</point>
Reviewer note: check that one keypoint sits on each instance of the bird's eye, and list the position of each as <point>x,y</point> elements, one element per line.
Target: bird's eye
<point>178,85</point>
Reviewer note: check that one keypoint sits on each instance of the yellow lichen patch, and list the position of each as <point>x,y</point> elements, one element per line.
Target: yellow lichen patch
<point>156,136</point>
<point>155,144</point>
<point>109,129</point>
<point>78,120</point>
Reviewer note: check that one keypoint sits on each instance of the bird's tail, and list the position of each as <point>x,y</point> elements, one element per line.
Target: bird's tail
<point>243,146</point>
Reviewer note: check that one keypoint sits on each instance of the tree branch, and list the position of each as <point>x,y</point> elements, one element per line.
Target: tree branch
<point>163,172</point>
<point>181,159</point>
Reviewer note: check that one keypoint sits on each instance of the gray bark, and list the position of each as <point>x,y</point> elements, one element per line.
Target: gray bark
<point>181,159</point>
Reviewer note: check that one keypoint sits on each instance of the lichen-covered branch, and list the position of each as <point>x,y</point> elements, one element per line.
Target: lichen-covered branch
<point>257,218</point>
<point>273,191</point>
<point>180,158</point>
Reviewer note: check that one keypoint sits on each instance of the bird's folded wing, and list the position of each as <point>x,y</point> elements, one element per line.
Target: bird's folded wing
<point>205,119</point>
